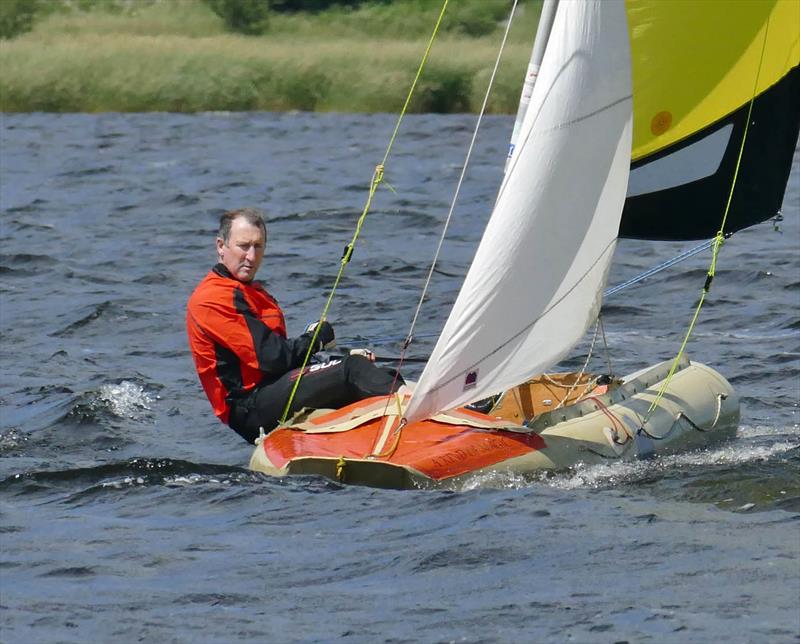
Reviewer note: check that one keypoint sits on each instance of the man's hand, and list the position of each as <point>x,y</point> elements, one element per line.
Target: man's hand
<point>325,336</point>
<point>366,353</point>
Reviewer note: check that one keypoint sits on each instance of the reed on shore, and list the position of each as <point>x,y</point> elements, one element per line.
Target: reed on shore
<point>178,57</point>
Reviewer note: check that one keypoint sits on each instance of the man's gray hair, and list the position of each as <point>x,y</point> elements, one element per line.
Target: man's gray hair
<point>252,216</point>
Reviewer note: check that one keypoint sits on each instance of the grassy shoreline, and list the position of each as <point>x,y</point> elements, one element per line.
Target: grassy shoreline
<point>187,63</point>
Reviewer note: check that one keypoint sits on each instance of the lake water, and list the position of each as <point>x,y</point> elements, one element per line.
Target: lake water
<point>128,513</point>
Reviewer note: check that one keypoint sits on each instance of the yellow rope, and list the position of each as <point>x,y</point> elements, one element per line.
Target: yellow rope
<point>719,240</point>
<point>377,178</point>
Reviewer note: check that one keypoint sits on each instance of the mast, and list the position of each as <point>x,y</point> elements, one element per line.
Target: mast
<point>546,19</point>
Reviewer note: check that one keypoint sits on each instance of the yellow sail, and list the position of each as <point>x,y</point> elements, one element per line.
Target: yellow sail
<point>696,61</point>
<point>716,103</point>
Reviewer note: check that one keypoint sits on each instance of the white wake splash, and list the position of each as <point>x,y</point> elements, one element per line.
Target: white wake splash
<point>125,400</point>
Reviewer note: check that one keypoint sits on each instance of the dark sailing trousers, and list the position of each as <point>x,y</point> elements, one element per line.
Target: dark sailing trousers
<point>332,384</point>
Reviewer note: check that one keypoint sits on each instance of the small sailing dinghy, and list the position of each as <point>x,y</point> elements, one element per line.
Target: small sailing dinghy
<point>614,138</point>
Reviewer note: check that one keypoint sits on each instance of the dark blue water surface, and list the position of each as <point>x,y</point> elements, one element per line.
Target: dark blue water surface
<point>128,513</point>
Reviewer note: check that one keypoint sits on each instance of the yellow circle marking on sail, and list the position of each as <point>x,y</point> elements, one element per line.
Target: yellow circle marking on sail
<point>698,57</point>
<point>661,122</point>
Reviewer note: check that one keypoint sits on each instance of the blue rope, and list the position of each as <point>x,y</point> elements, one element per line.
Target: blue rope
<point>657,269</point>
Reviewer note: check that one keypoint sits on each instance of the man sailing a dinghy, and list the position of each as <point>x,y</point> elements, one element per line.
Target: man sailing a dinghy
<point>237,334</point>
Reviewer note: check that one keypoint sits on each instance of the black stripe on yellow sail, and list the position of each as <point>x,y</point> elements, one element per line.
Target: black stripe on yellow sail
<point>695,65</point>
<point>693,209</point>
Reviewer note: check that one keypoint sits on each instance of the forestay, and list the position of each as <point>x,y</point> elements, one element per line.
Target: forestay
<point>536,281</point>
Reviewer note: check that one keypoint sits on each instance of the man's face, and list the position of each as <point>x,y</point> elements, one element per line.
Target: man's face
<point>243,252</point>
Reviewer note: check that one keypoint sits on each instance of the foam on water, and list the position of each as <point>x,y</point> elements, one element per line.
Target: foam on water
<point>751,432</point>
<point>11,439</point>
<point>622,473</point>
<point>124,400</point>
<point>507,480</point>
<point>128,481</point>
<point>627,472</point>
<point>177,481</point>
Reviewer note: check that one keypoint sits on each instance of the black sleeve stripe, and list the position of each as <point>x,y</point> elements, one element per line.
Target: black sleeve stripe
<point>228,370</point>
<point>275,354</point>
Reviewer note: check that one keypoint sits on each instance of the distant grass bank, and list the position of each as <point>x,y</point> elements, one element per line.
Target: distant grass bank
<point>177,57</point>
<point>155,73</point>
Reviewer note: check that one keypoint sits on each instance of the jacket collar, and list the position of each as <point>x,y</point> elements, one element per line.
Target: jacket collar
<point>222,271</point>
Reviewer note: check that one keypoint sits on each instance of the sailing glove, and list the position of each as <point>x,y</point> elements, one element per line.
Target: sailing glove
<point>366,353</point>
<point>325,337</point>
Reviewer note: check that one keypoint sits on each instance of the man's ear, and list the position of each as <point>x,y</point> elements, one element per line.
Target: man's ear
<point>220,244</point>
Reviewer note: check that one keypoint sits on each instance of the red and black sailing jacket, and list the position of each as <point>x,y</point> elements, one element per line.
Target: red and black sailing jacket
<point>237,335</point>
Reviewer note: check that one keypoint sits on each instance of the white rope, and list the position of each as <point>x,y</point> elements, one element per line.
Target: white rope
<point>410,335</point>
<point>591,383</point>
<point>605,345</point>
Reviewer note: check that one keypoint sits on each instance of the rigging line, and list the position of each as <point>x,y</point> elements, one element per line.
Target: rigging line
<point>717,241</point>
<point>461,177</point>
<point>605,345</point>
<point>377,178</point>
<point>454,200</point>
<point>615,421</point>
<point>583,368</point>
<point>613,290</point>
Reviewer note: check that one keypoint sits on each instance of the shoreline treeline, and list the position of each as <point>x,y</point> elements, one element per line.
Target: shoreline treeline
<point>186,56</point>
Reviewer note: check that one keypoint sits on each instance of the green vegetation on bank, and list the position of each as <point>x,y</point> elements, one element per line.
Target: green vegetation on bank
<point>183,55</point>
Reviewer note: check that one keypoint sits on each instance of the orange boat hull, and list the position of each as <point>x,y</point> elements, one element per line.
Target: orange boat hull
<point>437,451</point>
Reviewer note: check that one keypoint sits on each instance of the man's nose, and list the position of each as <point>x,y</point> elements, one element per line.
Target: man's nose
<point>251,253</point>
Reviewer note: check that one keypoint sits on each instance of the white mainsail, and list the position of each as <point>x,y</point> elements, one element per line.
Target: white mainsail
<point>536,281</point>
